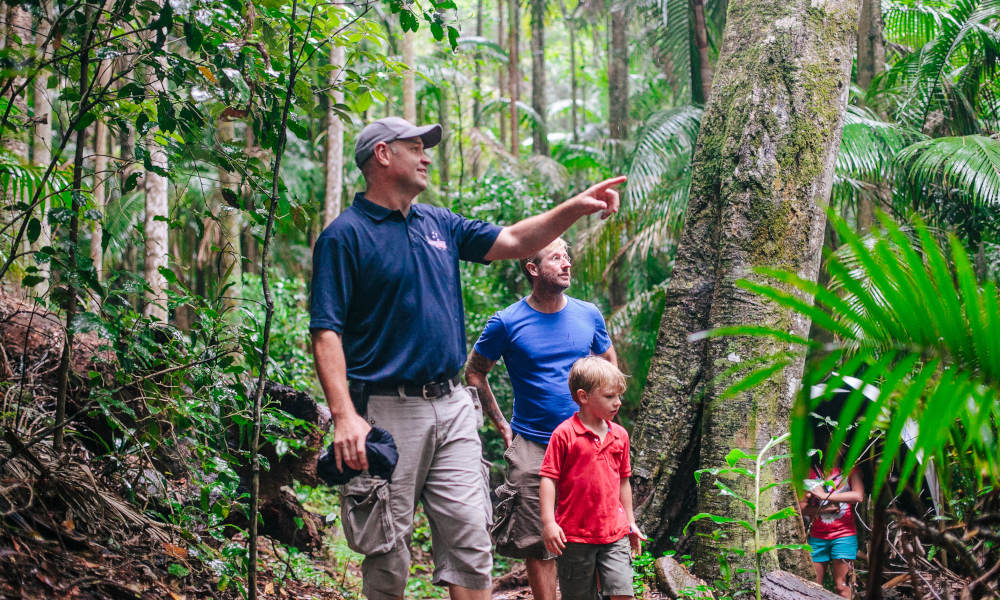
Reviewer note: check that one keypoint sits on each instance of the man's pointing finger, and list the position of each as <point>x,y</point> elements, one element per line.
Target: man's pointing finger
<point>608,183</point>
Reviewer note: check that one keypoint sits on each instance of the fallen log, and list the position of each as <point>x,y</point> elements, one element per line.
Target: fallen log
<point>782,585</point>
<point>283,516</point>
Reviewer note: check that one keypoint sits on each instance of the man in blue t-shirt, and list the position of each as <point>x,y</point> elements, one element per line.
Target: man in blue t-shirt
<point>388,335</point>
<point>539,338</point>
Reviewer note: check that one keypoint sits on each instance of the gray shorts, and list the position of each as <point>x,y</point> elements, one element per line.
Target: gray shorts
<point>517,528</point>
<point>441,466</point>
<point>580,564</point>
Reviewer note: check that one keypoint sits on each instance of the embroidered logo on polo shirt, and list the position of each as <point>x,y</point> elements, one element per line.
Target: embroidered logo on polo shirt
<point>434,239</point>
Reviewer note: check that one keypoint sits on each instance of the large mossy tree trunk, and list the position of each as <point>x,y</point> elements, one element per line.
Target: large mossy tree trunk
<point>762,174</point>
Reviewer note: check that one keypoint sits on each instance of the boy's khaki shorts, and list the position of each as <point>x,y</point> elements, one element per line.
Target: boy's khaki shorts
<point>517,529</point>
<point>580,564</point>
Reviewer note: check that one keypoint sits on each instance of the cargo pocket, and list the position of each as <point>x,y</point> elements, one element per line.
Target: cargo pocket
<point>366,516</point>
<point>503,515</point>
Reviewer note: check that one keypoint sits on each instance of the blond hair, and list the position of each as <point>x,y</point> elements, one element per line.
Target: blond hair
<point>593,372</point>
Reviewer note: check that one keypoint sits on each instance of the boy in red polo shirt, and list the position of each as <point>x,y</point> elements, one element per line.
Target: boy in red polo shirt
<point>586,466</point>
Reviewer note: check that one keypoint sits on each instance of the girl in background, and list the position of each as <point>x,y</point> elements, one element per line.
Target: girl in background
<point>833,534</point>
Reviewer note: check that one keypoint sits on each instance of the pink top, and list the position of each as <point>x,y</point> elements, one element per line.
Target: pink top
<point>833,525</point>
<point>588,474</point>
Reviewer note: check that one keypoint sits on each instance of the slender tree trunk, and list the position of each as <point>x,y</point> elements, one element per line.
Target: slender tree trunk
<point>101,177</point>
<point>477,97</point>
<point>70,305</point>
<point>701,42</point>
<point>618,73</point>
<point>156,221</point>
<point>251,249</point>
<point>870,63</point>
<point>409,81</point>
<point>762,174</point>
<point>574,86</point>
<point>14,140</point>
<point>871,45</point>
<point>18,24</point>
<point>231,223</point>
<point>334,145</point>
<point>502,74</point>
<point>514,73</point>
<point>444,112</point>
<point>42,144</point>
<point>540,140</point>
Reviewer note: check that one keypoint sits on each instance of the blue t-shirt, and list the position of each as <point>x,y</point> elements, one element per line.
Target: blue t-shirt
<point>390,286</point>
<point>539,349</point>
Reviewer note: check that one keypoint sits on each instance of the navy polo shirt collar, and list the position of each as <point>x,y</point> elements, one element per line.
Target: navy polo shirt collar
<point>377,212</point>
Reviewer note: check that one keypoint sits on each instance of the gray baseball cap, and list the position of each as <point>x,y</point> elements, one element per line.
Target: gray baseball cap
<point>391,129</point>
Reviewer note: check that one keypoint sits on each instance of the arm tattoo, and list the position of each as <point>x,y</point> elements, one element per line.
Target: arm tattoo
<point>479,363</point>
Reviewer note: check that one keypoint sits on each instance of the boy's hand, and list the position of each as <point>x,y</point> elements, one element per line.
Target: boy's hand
<point>635,539</point>
<point>555,539</point>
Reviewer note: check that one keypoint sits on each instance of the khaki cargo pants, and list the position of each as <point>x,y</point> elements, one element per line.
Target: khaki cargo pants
<point>441,466</point>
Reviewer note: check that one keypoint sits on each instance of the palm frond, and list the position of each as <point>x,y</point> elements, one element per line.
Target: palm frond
<point>527,113</point>
<point>551,171</point>
<point>867,148</point>
<point>963,32</point>
<point>485,47</point>
<point>663,146</point>
<point>587,109</point>
<point>969,165</point>
<point>912,24</point>
<point>670,38</point>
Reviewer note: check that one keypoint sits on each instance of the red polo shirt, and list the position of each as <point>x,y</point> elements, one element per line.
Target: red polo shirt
<point>588,477</point>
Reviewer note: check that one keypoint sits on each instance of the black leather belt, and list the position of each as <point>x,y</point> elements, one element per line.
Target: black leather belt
<point>433,389</point>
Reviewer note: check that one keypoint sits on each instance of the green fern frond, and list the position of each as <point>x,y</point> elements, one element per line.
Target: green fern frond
<point>911,316</point>
<point>969,165</point>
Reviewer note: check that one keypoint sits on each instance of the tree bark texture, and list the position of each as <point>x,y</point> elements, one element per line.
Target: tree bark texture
<point>155,225</point>
<point>701,42</point>
<point>334,145</point>
<point>762,174</point>
<point>618,73</point>
<point>513,72</point>
<point>540,140</point>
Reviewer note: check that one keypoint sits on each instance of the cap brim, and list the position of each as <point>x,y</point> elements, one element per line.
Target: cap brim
<point>430,134</point>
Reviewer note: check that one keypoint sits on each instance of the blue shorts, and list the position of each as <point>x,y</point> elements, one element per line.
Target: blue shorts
<point>845,548</point>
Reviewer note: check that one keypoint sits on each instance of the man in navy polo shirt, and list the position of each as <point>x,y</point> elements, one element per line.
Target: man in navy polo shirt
<point>388,336</point>
<point>539,338</point>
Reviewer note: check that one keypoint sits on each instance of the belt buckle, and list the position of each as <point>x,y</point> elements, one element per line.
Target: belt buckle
<point>423,392</point>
